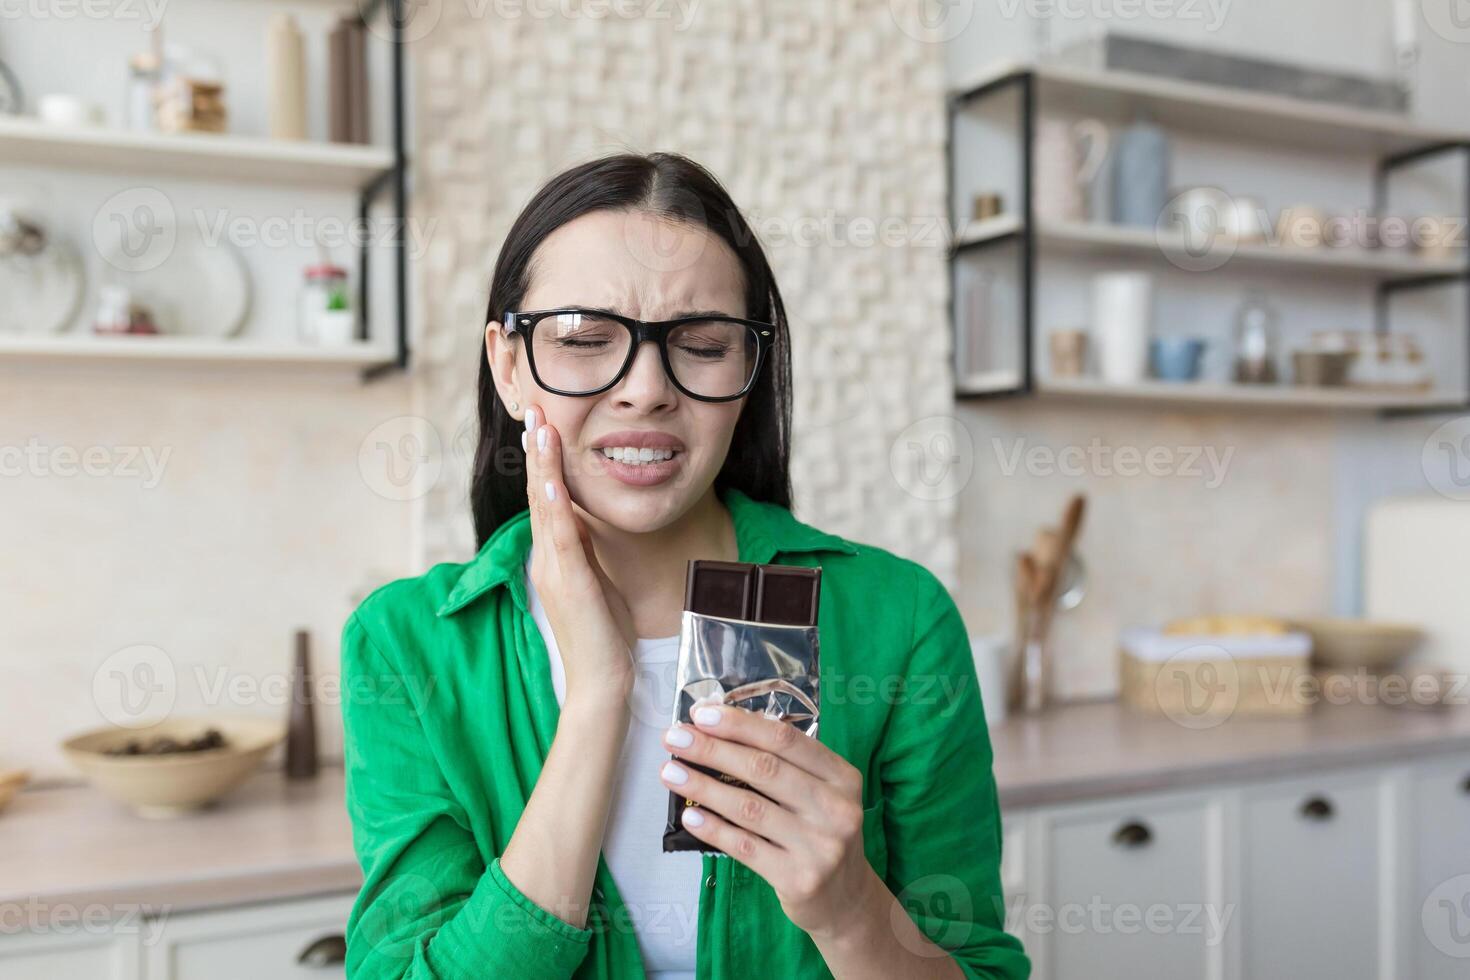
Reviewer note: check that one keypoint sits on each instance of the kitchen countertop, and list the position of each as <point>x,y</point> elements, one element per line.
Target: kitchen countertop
<point>1106,749</point>
<point>269,840</point>
<point>272,840</point>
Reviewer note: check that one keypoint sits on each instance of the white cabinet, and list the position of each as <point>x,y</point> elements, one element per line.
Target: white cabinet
<point>1439,871</point>
<point>1311,878</point>
<point>90,953</point>
<point>247,944</point>
<point>251,943</point>
<point>1130,889</point>
<point>1357,872</point>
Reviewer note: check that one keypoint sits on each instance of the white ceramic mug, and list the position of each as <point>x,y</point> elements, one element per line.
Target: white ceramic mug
<point>992,653</point>
<point>1121,314</point>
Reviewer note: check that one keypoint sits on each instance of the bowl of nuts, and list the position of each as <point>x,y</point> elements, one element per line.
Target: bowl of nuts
<point>175,766</point>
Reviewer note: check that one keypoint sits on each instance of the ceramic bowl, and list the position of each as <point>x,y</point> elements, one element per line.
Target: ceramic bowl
<point>1361,643</point>
<point>173,784</point>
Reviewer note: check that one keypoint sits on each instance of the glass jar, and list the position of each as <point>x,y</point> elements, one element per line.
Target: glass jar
<point>1257,341</point>
<point>324,312</point>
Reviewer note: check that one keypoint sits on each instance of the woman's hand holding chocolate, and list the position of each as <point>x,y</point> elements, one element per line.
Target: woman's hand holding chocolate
<point>804,836</point>
<point>589,617</point>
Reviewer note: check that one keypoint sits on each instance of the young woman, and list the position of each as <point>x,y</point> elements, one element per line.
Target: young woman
<point>507,720</point>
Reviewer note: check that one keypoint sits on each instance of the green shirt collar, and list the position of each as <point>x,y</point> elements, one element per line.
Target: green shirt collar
<point>763,530</point>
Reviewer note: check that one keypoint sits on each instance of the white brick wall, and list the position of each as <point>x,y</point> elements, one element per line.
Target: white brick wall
<point>812,112</point>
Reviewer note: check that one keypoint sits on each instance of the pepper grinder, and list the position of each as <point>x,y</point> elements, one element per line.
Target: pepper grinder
<point>301,758</point>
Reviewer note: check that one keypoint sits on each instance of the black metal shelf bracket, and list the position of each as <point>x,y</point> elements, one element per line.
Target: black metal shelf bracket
<point>1387,167</point>
<point>396,178</point>
<point>1023,81</point>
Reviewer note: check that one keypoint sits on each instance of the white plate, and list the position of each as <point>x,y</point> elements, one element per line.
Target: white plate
<point>198,290</point>
<point>42,292</point>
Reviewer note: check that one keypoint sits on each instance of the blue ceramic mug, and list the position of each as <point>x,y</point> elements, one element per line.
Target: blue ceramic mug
<point>1175,358</point>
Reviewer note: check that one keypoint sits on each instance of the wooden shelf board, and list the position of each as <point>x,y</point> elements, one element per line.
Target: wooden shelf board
<point>1124,241</point>
<point>206,156</point>
<point>187,349</point>
<point>1220,111</point>
<point>1280,395</point>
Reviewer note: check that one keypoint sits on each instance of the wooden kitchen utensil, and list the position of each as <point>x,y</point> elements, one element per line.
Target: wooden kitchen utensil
<point>1039,576</point>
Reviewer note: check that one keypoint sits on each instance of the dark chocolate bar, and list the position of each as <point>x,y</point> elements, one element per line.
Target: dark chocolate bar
<point>774,614</point>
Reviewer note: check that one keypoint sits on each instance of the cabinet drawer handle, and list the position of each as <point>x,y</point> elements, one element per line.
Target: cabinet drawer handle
<point>329,950</point>
<point>1317,808</point>
<point>1133,834</point>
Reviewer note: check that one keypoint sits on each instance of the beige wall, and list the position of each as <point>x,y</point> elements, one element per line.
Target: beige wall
<point>254,519</point>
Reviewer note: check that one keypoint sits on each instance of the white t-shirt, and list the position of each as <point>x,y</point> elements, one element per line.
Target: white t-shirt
<point>661,891</point>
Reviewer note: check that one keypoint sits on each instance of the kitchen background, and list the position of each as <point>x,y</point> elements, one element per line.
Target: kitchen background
<point>178,507</point>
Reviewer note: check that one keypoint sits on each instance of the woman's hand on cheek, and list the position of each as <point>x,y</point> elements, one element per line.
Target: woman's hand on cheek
<point>806,839</point>
<point>589,618</point>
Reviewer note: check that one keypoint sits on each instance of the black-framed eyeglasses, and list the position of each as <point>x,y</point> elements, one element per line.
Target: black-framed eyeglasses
<point>578,351</point>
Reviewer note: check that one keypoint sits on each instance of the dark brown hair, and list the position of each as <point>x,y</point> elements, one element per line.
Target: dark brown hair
<point>670,186</point>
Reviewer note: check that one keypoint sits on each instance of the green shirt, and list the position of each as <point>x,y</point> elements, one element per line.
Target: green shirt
<point>449,714</point>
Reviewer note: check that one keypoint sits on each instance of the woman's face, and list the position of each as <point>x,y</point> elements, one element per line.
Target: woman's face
<point>651,268</point>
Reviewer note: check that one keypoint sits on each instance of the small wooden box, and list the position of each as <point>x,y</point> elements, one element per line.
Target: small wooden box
<point>1200,681</point>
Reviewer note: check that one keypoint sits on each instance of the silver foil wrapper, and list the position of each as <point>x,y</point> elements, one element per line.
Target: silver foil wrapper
<point>765,668</point>
<point>762,667</point>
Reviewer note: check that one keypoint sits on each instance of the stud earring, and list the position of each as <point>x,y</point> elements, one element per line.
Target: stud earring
<point>515,406</point>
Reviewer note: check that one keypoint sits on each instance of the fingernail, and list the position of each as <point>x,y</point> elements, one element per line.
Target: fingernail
<point>523,442</point>
<point>675,773</point>
<point>530,420</point>
<point>706,716</point>
<point>692,817</point>
<point>540,440</point>
<point>550,490</point>
<point>680,738</point>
